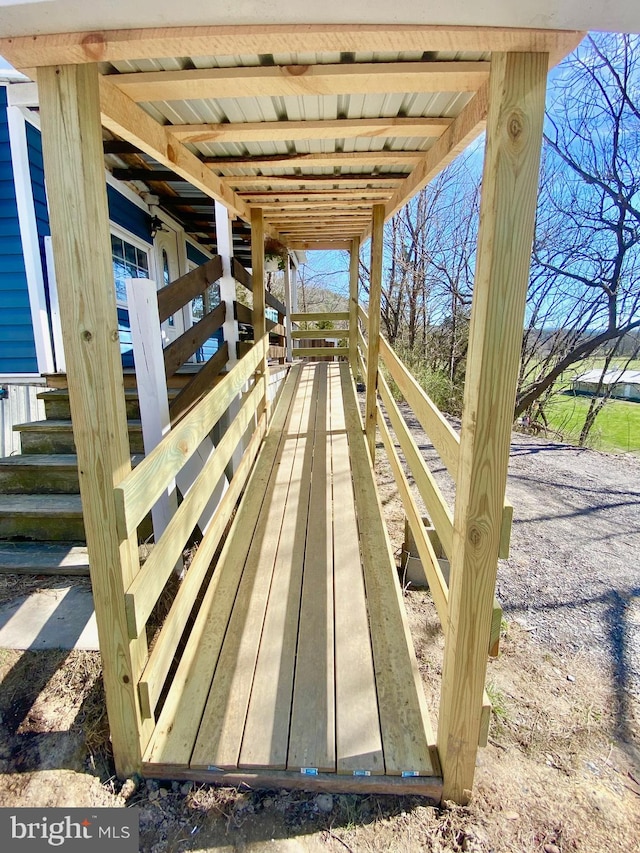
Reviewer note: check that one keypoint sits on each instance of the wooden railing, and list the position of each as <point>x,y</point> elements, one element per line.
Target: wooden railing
<point>139,491</point>
<point>446,441</point>
<point>173,298</point>
<point>277,331</point>
<point>320,334</point>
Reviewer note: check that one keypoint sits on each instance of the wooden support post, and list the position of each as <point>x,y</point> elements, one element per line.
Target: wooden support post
<point>287,302</point>
<point>74,168</point>
<point>507,213</point>
<point>375,288</point>
<point>257,273</point>
<point>354,262</point>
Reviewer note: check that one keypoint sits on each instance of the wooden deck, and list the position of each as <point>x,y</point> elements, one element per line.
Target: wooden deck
<point>300,671</point>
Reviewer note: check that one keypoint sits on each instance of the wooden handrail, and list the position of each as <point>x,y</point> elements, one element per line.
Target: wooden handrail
<point>147,586</point>
<point>180,292</point>
<point>245,278</point>
<point>202,381</point>
<point>320,334</point>
<point>140,489</point>
<point>309,352</point>
<point>319,316</point>
<point>180,350</point>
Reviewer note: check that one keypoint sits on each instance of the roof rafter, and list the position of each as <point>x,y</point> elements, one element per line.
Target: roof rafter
<point>350,158</point>
<point>117,45</point>
<point>285,131</point>
<point>123,117</point>
<point>297,181</point>
<point>297,80</point>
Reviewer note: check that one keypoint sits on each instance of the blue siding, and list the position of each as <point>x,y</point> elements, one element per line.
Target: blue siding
<point>195,255</point>
<point>128,215</point>
<point>17,344</point>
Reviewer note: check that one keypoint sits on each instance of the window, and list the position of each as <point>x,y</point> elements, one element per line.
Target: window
<point>129,261</point>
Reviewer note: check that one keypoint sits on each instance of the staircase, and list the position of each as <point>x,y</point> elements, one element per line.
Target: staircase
<point>41,524</point>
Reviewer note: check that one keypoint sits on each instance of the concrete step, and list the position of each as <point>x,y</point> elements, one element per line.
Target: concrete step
<point>41,473</point>
<point>56,404</point>
<point>41,517</point>
<point>56,436</point>
<point>43,558</point>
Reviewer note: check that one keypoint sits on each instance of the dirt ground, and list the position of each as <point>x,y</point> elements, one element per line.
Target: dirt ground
<point>562,768</point>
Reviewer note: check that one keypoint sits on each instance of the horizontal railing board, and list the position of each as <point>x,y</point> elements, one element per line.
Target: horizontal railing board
<point>199,385</point>
<point>180,350</point>
<point>319,316</point>
<point>320,334</point>
<point>180,292</point>
<point>163,652</point>
<point>245,278</point>
<point>437,507</point>
<point>147,586</point>
<point>437,583</point>
<point>140,489</point>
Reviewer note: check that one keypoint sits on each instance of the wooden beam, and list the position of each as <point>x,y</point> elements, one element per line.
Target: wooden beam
<point>375,290</point>
<point>291,131</point>
<point>354,269</point>
<point>304,207</point>
<point>335,160</point>
<point>257,277</point>
<point>273,81</point>
<point>465,128</point>
<point>261,197</point>
<point>320,245</point>
<point>126,119</point>
<point>332,181</point>
<point>126,44</point>
<point>74,168</point>
<point>507,212</point>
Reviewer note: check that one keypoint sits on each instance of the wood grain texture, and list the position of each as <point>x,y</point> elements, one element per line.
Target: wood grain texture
<point>151,43</point>
<point>373,336</point>
<point>74,167</point>
<point>201,383</point>
<point>275,81</point>
<point>125,118</point>
<point>406,731</point>
<point>354,269</point>
<point>312,731</point>
<point>358,738</point>
<point>174,296</point>
<point>318,316</point>
<point>180,351</point>
<point>509,187</point>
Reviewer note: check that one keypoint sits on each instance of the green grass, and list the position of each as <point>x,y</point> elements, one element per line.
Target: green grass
<point>617,427</point>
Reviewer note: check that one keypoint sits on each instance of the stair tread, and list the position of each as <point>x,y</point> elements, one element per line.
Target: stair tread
<point>44,505</point>
<point>43,557</point>
<point>61,426</point>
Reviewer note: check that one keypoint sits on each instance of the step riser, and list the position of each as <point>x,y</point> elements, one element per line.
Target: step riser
<point>62,442</point>
<point>42,528</point>
<point>26,481</point>
<point>57,409</point>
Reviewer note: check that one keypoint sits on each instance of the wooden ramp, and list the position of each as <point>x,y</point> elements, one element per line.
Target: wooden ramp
<point>300,670</point>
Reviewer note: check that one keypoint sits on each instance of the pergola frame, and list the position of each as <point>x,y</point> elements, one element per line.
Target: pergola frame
<point>76,102</point>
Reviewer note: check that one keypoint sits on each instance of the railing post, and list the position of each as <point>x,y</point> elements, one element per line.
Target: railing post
<point>287,302</point>
<point>375,290</point>
<point>227,284</point>
<point>507,213</point>
<point>74,168</point>
<point>257,273</point>
<point>354,269</point>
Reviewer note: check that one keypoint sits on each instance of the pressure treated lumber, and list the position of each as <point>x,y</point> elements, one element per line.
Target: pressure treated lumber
<point>257,267</point>
<point>354,270</point>
<point>373,337</point>
<point>318,352</point>
<point>318,316</point>
<point>74,168</point>
<point>404,722</point>
<point>152,43</point>
<point>179,293</point>
<point>299,80</point>
<point>176,730</point>
<point>507,212</point>
<point>358,738</point>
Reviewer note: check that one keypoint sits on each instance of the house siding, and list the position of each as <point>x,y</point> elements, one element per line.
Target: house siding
<point>17,342</point>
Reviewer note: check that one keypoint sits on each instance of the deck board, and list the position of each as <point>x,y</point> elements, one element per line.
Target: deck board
<point>302,657</point>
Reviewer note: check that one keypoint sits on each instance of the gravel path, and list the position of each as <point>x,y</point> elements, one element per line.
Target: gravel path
<point>573,577</point>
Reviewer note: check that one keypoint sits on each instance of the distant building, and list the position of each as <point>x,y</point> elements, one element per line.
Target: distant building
<point>621,384</point>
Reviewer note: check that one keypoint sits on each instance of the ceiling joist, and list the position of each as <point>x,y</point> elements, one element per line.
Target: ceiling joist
<point>299,80</point>
<point>299,181</point>
<point>119,45</point>
<point>291,131</point>
<point>128,121</point>
<point>350,158</point>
